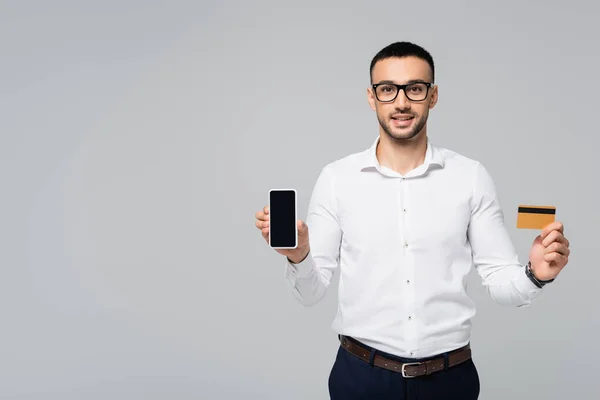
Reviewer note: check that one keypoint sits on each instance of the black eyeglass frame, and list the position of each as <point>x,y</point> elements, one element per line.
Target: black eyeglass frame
<point>428,86</point>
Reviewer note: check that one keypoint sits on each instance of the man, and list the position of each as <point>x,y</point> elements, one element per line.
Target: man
<point>406,221</point>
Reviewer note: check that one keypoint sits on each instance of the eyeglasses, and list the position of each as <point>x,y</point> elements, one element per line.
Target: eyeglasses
<point>387,92</point>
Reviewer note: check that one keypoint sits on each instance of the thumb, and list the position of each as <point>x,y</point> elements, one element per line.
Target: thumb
<point>302,228</point>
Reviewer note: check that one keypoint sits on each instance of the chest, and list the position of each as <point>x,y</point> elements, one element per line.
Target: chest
<point>390,212</point>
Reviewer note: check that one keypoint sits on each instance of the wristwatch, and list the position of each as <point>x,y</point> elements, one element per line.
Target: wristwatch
<point>539,283</point>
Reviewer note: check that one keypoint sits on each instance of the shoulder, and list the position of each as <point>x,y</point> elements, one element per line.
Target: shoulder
<point>479,180</point>
<point>346,165</point>
<point>464,165</point>
<point>333,176</point>
<point>457,160</point>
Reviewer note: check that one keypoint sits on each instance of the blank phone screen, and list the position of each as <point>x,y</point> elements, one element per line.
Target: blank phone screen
<point>282,215</point>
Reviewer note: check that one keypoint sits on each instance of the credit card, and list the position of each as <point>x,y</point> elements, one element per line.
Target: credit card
<point>535,217</point>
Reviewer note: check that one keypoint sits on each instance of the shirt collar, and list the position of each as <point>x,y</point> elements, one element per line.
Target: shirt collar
<point>433,156</point>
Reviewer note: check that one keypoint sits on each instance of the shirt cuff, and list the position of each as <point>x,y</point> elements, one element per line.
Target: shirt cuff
<point>300,270</point>
<point>526,286</point>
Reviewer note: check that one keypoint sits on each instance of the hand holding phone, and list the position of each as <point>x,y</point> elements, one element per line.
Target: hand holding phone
<point>281,227</point>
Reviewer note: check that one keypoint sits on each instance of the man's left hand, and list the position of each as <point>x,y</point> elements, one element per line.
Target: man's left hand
<point>550,252</point>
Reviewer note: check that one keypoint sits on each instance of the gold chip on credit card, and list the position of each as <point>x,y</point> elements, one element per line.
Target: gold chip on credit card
<point>535,217</point>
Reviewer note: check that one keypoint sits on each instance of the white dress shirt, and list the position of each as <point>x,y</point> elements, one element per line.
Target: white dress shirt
<point>404,246</point>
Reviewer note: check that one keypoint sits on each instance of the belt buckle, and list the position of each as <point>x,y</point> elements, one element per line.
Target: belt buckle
<point>409,365</point>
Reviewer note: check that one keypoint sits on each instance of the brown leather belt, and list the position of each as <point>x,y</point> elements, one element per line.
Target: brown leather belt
<point>408,370</point>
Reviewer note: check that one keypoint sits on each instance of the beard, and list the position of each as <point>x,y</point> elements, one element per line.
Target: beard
<point>403,134</point>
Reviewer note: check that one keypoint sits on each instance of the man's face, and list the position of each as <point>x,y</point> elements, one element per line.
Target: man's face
<point>402,119</point>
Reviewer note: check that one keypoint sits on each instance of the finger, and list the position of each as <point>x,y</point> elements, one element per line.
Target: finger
<point>555,226</point>
<point>302,227</point>
<point>265,232</point>
<point>262,224</point>
<point>266,210</point>
<point>558,258</point>
<point>261,216</point>
<point>554,236</point>
<point>557,247</point>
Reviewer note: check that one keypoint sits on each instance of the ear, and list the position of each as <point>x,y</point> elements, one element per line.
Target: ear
<point>371,98</point>
<point>434,97</point>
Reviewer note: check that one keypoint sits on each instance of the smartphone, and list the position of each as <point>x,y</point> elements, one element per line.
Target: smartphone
<point>283,231</point>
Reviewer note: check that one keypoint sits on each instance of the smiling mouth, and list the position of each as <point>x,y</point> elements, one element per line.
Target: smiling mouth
<point>403,117</point>
<point>402,121</point>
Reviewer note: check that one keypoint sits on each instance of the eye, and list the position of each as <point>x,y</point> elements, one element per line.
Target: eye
<point>417,88</point>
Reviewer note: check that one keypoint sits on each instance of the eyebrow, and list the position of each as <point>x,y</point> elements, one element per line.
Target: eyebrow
<point>408,82</point>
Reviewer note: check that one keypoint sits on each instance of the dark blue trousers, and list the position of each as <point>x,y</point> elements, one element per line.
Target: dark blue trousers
<point>352,378</point>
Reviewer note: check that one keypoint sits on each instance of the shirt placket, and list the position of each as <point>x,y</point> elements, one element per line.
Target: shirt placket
<point>408,284</point>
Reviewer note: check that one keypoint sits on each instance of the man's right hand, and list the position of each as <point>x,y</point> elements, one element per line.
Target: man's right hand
<point>294,255</point>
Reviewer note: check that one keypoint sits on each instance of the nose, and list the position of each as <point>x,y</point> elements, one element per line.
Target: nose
<point>401,100</point>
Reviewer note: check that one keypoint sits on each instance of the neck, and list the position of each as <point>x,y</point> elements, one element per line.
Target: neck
<point>402,156</point>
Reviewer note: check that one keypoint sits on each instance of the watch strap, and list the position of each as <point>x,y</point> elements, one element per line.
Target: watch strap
<point>537,282</point>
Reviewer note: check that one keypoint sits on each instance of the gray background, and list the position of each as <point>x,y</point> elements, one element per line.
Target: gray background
<point>139,138</point>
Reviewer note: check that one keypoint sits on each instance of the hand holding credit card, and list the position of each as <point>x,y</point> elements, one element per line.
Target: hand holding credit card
<point>535,217</point>
<point>550,251</point>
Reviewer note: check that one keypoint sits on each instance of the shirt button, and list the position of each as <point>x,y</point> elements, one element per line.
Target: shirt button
<point>405,244</point>
<point>409,318</point>
<point>408,281</point>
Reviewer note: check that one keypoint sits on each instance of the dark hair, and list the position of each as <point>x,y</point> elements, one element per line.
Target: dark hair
<point>403,49</point>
